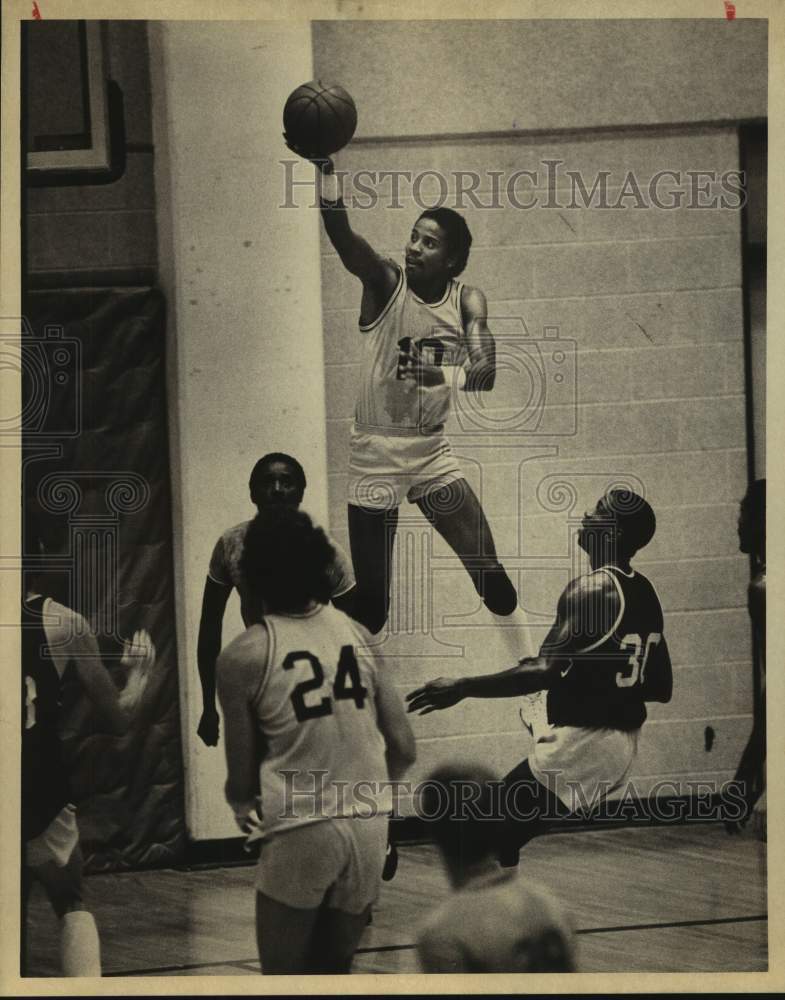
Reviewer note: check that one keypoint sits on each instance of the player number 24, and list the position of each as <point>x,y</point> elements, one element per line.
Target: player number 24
<point>347,684</point>
<point>638,657</point>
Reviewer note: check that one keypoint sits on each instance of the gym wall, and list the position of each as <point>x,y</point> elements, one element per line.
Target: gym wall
<point>103,233</point>
<point>98,461</point>
<point>647,302</point>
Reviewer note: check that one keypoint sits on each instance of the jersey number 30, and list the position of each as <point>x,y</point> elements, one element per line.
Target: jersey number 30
<point>347,684</point>
<point>638,658</point>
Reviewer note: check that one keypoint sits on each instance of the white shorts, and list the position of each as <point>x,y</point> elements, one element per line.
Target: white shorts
<point>583,765</point>
<point>57,843</point>
<point>337,862</point>
<point>386,468</point>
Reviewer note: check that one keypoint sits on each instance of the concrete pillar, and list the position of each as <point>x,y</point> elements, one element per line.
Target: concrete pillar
<point>244,332</point>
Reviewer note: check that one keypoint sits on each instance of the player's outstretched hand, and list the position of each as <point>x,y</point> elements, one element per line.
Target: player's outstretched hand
<point>441,693</point>
<point>138,660</point>
<point>139,652</point>
<point>209,727</point>
<point>319,160</point>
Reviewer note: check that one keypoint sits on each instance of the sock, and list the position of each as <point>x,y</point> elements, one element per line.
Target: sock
<point>80,949</point>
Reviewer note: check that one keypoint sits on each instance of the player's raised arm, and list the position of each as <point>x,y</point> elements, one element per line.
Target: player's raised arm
<point>481,367</point>
<point>585,613</point>
<point>357,255</point>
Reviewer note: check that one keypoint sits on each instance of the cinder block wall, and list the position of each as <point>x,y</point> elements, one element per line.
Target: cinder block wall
<point>102,233</point>
<point>647,305</point>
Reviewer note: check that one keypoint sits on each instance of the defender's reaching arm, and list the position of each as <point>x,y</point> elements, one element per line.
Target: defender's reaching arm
<point>573,629</point>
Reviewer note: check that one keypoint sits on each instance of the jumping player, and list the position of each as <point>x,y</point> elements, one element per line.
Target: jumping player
<point>333,732</point>
<point>276,479</point>
<point>604,657</point>
<point>494,920</point>
<point>52,637</point>
<point>415,323</point>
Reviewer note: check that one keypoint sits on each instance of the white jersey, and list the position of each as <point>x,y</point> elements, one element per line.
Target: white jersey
<point>316,705</point>
<point>225,570</point>
<point>387,404</point>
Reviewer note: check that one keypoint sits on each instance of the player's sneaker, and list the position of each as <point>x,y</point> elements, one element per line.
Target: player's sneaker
<point>533,713</point>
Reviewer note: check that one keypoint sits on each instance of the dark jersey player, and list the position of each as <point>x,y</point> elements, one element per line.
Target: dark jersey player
<point>604,657</point>
<point>54,636</point>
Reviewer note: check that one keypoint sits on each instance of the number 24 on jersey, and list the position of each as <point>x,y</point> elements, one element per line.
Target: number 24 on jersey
<point>347,684</point>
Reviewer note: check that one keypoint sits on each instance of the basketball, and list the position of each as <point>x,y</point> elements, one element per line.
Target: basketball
<point>319,118</point>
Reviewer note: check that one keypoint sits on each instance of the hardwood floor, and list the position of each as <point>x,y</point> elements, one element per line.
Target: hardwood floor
<point>663,899</point>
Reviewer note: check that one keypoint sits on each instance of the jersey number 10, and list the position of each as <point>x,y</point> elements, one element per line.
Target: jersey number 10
<point>347,684</point>
<point>638,658</point>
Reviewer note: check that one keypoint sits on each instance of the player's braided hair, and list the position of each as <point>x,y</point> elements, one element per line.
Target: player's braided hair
<point>459,239</point>
<point>286,561</point>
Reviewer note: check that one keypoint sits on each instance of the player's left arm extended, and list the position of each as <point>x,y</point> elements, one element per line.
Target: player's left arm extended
<point>234,684</point>
<point>481,365</point>
<point>582,615</point>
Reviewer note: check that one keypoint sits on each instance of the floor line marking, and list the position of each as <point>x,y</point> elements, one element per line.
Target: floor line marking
<point>674,923</point>
<point>250,962</point>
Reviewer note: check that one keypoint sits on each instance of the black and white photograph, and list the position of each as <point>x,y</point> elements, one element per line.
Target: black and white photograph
<point>384,431</point>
